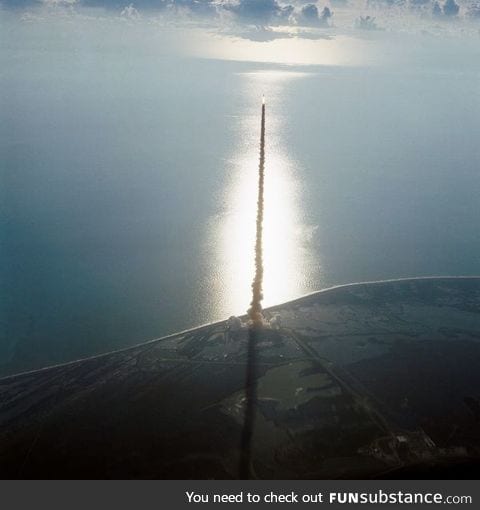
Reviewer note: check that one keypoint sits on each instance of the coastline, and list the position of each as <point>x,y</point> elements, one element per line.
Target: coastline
<point>355,381</point>
<point>267,310</point>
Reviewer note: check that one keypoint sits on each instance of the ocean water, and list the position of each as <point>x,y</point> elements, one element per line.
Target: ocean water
<point>128,184</point>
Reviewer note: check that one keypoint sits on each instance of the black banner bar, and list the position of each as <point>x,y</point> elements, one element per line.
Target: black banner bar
<point>199,495</point>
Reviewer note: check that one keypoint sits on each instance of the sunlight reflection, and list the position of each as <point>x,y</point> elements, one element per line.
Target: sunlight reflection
<point>285,250</point>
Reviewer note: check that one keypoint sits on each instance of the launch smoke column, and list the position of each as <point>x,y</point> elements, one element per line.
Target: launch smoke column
<point>256,318</point>
<point>255,311</point>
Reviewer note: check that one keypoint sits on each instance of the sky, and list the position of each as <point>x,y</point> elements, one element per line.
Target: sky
<point>299,32</point>
<point>333,32</point>
<point>265,20</point>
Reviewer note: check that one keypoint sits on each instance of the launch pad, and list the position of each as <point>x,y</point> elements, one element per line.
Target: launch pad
<point>365,380</point>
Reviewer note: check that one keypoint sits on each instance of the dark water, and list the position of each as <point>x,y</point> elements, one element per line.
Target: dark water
<point>116,173</point>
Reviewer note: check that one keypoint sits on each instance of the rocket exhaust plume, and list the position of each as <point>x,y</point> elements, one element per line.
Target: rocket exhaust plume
<point>255,310</point>
<point>256,319</point>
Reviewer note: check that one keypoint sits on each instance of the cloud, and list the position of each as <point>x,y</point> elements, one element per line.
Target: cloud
<point>130,12</point>
<point>18,4</point>
<point>259,33</point>
<point>474,11</point>
<point>121,5</point>
<point>199,7</point>
<point>266,34</point>
<point>419,3</point>
<point>366,23</point>
<point>257,20</point>
<point>313,36</point>
<point>450,8</point>
<point>378,4</point>
<point>309,16</point>
<point>436,9</point>
<point>59,2</point>
<point>261,12</point>
<point>24,4</point>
